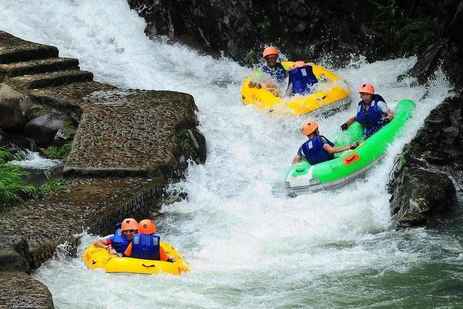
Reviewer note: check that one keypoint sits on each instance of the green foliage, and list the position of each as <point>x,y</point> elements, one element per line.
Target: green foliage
<point>58,152</point>
<point>5,155</point>
<point>12,185</point>
<point>52,185</point>
<point>403,31</point>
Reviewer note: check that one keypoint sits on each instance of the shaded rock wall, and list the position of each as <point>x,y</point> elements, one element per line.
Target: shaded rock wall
<point>430,169</point>
<point>311,29</point>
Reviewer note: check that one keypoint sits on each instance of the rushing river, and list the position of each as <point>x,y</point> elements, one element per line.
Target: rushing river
<point>248,248</point>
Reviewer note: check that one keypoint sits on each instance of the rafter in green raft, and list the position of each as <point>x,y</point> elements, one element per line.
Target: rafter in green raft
<point>349,164</point>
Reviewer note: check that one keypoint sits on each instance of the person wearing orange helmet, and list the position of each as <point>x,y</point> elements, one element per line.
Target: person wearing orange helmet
<point>118,242</point>
<point>372,111</point>
<point>317,148</point>
<point>271,66</point>
<point>147,243</point>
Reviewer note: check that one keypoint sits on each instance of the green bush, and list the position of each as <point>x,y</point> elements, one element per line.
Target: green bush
<point>52,185</point>
<point>12,185</point>
<point>13,188</point>
<point>58,152</point>
<point>5,155</point>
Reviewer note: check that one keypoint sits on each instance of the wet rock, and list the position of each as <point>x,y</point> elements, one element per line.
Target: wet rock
<point>23,291</point>
<point>422,197</point>
<point>16,142</point>
<point>428,173</point>
<point>40,176</point>
<point>14,254</point>
<point>12,108</point>
<point>192,145</point>
<point>43,129</point>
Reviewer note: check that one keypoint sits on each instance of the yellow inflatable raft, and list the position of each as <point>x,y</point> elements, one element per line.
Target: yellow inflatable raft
<point>95,257</point>
<point>331,93</point>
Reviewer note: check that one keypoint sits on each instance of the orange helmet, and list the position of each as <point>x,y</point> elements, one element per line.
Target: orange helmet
<point>309,128</point>
<point>129,224</point>
<point>367,88</point>
<point>270,51</point>
<point>146,226</point>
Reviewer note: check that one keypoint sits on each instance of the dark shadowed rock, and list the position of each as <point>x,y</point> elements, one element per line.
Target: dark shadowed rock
<point>422,197</point>
<point>446,50</point>
<point>423,182</point>
<point>313,30</point>
<point>44,128</point>
<point>14,254</point>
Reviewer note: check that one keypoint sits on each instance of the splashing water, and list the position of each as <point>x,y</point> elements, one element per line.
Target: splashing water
<point>246,247</point>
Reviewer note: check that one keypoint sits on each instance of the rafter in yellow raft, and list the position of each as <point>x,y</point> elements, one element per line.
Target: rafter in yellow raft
<point>330,93</point>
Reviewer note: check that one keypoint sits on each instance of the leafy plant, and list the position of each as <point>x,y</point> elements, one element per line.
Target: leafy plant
<point>58,152</point>
<point>5,155</point>
<point>52,185</point>
<point>12,185</point>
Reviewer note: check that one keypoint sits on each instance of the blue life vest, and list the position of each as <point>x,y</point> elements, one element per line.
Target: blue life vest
<point>302,79</point>
<point>278,72</point>
<point>312,150</point>
<point>146,246</point>
<point>371,119</point>
<point>119,242</point>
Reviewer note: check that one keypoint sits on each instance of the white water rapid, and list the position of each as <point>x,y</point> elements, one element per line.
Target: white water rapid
<point>246,247</point>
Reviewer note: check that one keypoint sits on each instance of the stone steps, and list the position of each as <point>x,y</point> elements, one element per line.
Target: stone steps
<point>50,79</point>
<point>27,53</point>
<point>39,66</point>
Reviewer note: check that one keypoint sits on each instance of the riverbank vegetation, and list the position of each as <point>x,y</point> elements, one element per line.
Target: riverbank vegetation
<point>13,186</point>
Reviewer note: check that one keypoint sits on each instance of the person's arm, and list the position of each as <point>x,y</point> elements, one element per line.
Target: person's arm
<point>299,156</point>
<point>332,149</point>
<point>386,110</point>
<point>347,124</point>
<point>128,251</point>
<point>163,256</point>
<point>103,243</point>
<point>296,159</point>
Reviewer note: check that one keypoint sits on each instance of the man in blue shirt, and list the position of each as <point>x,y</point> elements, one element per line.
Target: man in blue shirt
<point>372,111</point>
<point>272,67</point>
<point>118,242</point>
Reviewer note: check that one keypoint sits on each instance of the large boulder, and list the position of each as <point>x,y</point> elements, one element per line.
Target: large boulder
<point>43,129</point>
<point>13,106</point>
<point>422,197</point>
<point>423,182</point>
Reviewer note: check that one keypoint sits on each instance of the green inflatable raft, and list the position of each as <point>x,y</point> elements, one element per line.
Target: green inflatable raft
<point>303,177</point>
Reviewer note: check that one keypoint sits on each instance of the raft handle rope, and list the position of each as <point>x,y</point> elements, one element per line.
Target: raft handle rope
<point>148,266</point>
